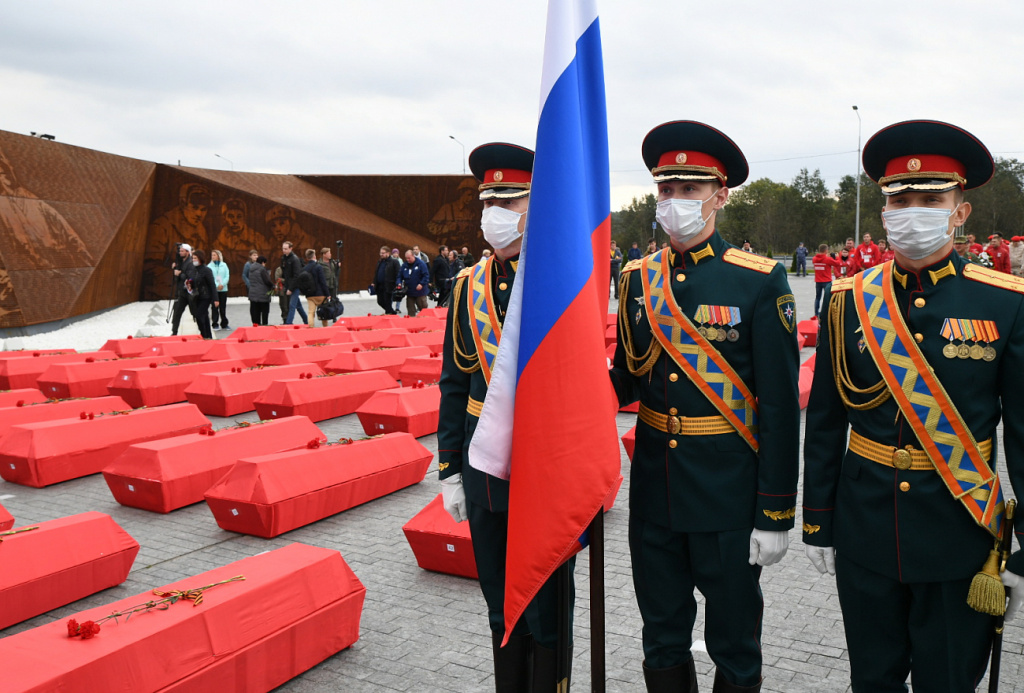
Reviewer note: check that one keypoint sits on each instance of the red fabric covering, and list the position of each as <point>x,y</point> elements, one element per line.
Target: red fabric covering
<point>609,502</point>
<point>6,519</point>
<point>612,319</point>
<point>300,333</point>
<point>185,351</point>
<point>266,496</point>
<point>611,335</point>
<point>809,330</point>
<point>343,336</point>
<point>441,313</point>
<point>225,393</point>
<point>428,338</point>
<point>319,354</point>
<point>610,351</point>
<point>403,409</point>
<point>439,543</point>
<point>297,606</point>
<point>800,341</point>
<point>390,360</point>
<point>250,333</point>
<point>631,408</point>
<point>164,475</point>
<point>25,395</point>
<point>371,339</point>
<point>425,369</point>
<point>321,398</point>
<point>137,346</point>
<point>806,376</point>
<point>48,452</point>
<point>22,353</point>
<point>629,442</point>
<point>420,324</point>
<point>62,561</point>
<point>360,322</point>
<point>22,372</point>
<point>153,387</point>
<point>809,363</point>
<point>249,353</point>
<point>90,379</point>
<point>52,411</point>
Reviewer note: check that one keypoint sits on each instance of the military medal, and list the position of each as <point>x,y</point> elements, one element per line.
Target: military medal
<point>721,335</point>
<point>703,331</point>
<point>976,352</point>
<point>711,333</point>
<point>949,351</point>
<point>963,351</point>
<point>988,353</point>
<point>733,335</point>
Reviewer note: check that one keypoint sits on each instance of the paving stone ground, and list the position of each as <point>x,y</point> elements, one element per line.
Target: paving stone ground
<point>425,631</point>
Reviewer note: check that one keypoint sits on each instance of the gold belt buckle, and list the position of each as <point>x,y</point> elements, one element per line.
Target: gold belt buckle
<point>901,459</point>
<point>674,425</point>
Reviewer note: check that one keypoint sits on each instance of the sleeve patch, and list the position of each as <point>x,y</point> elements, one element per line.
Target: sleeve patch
<point>787,311</point>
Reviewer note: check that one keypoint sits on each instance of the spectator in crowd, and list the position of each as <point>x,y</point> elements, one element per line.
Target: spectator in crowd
<point>867,254</point>
<point>183,270</point>
<point>824,264</point>
<point>221,276</point>
<point>330,267</point>
<point>290,268</point>
<point>467,257</point>
<point>960,246</point>
<point>261,288</point>
<point>885,253</point>
<point>384,280</point>
<point>973,246</point>
<point>249,264</point>
<point>283,299</point>
<point>747,248</point>
<point>421,255</point>
<point>415,278</point>
<point>454,265</point>
<point>999,253</point>
<point>205,290</point>
<point>846,267</point>
<point>440,275</point>
<point>397,302</point>
<point>315,290</point>
<point>486,253</point>
<point>615,255</point>
<point>849,246</point>
<point>1017,255</point>
<point>801,262</point>
<point>634,252</point>
<point>652,247</point>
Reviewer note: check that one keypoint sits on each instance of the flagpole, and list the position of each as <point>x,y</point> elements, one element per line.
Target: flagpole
<point>597,647</point>
<point>563,655</point>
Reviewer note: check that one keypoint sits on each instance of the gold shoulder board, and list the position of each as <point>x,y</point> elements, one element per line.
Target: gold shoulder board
<point>749,261</point>
<point>464,273</point>
<point>844,284</point>
<point>994,278</point>
<point>632,265</point>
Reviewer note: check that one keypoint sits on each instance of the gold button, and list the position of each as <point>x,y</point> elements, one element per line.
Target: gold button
<point>503,286</point>
<point>672,443</point>
<point>680,277</point>
<point>904,486</point>
<point>673,377</point>
<point>918,337</point>
<point>919,302</point>
<point>673,411</point>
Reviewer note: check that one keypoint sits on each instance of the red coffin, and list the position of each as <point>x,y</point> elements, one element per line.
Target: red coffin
<point>6,519</point>
<point>44,453</point>
<point>629,442</point>
<point>25,395</point>
<point>266,496</point>
<point>319,354</point>
<point>321,398</point>
<point>809,330</point>
<point>131,347</point>
<point>89,379</point>
<point>402,409</point>
<point>390,360</point>
<point>809,363</point>
<point>22,353</point>
<point>52,411</point>
<point>153,387</point>
<point>227,393</point>
<point>610,335</point>
<point>185,351</point>
<point>253,332</point>
<point>297,606</point>
<point>23,372</point>
<point>60,562</point>
<point>806,377</point>
<point>249,353</point>
<point>302,334</point>
<point>164,475</point>
<point>419,324</point>
<point>439,543</point>
<point>632,408</point>
<point>428,338</point>
<point>425,369</point>
<point>441,313</point>
<point>360,322</point>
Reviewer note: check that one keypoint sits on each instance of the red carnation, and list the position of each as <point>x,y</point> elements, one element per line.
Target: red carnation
<point>72,628</point>
<point>89,629</point>
<point>21,403</point>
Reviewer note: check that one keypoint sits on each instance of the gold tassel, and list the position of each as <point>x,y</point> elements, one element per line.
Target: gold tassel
<point>987,593</point>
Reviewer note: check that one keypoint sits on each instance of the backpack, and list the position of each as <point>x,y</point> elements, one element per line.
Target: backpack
<point>305,283</point>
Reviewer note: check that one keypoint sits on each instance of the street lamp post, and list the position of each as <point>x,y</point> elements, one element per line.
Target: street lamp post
<point>226,159</point>
<point>452,137</point>
<point>856,222</point>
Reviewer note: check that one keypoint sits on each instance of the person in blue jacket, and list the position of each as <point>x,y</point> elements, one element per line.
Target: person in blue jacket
<point>415,277</point>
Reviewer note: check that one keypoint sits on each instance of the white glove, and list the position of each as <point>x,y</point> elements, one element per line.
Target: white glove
<point>823,558</point>
<point>454,497</point>
<point>767,548</point>
<point>1016,584</point>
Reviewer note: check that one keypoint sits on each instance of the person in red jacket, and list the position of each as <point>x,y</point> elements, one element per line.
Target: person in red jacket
<point>885,252</point>
<point>999,253</point>
<point>866,255</point>
<point>823,266</point>
<point>972,245</point>
<point>846,266</point>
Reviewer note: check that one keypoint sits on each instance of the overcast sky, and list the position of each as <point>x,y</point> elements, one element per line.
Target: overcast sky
<point>378,87</point>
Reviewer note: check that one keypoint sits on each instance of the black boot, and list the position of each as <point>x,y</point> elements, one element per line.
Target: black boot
<point>512,663</point>
<point>722,685</point>
<point>545,670</point>
<point>679,679</point>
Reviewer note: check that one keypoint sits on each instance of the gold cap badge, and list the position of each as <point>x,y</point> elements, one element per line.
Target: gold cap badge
<point>914,165</point>
<point>499,176</point>
<point>681,158</point>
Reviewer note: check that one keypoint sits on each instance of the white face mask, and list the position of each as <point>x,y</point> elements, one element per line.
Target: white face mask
<point>500,226</point>
<point>917,232</point>
<point>196,263</point>
<point>681,219</point>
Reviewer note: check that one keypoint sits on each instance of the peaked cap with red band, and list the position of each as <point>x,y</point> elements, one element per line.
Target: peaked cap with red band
<point>504,170</point>
<point>688,150</point>
<point>926,156</point>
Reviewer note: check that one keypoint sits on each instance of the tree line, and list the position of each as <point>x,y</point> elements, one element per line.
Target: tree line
<point>775,217</point>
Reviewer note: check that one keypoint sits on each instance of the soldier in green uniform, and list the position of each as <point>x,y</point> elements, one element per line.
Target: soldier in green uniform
<point>918,360</point>
<point>480,297</point>
<point>707,344</point>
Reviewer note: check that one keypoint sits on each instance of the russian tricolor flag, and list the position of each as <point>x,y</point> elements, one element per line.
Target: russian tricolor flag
<point>548,422</point>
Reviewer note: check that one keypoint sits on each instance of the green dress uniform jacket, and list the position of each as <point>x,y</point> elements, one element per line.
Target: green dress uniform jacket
<point>715,483</point>
<point>906,525</point>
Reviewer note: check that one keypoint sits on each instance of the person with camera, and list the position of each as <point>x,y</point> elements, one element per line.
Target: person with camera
<point>183,271</point>
<point>204,288</point>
